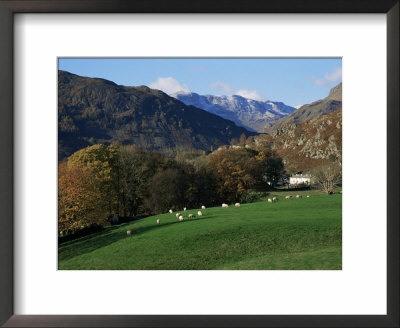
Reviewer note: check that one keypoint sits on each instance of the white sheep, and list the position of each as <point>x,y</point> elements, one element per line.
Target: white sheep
<point>274,199</point>
<point>199,213</point>
<point>128,232</point>
<point>178,215</point>
<point>158,221</point>
<point>180,218</point>
<point>170,211</point>
<point>299,196</point>
<point>237,204</point>
<point>224,205</point>
<point>269,200</point>
<point>308,196</point>
<point>288,197</point>
<point>184,208</point>
<point>203,207</point>
<point>191,215</point>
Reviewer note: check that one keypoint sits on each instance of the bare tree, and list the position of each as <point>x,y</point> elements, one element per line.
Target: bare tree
<point>328,177</point>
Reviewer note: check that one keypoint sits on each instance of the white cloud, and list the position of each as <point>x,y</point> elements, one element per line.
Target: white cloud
<point>222,87</point>
<point>231,90</point>
<point>328,78</point>
<point>169,85</point>
<point>251,94</point>
<point>319,82</point>
<point>334,76</point>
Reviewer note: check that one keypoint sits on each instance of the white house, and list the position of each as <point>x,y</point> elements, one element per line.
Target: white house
<point>300,178</point>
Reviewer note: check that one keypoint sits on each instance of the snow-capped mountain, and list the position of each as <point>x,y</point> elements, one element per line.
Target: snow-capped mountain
<point>248,113</point>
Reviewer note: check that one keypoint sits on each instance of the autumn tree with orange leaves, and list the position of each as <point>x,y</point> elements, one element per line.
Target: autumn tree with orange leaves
<point>88,187</point>
<point>80,202</point>
<point>237,171</point>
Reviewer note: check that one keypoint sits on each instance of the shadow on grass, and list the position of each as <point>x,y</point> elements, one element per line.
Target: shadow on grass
<point>109,236</point>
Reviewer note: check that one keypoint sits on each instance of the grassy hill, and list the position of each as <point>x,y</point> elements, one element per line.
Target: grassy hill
<point>300,234</point>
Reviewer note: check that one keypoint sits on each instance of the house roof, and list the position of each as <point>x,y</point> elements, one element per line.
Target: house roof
<point>306,176</point>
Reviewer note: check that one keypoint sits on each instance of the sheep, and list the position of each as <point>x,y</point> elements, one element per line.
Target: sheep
<point>199,213</point>
<point>178,215</point>
<point>237,204</point>
<point>224,205</point>
<point>274,199</point>
<point>180,218</point>
<point>203,207</point>
<point>170,211</point>
<point>288,197</point>
<point>128,232</point>
<point>269,200</point>
<point>308,196</point>
<point>191,215</point>
<point>158,221</point>
<point>184,208</point>
<point>299,196</point>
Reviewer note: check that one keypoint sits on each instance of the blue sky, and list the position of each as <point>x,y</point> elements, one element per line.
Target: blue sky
<point>294,81</point>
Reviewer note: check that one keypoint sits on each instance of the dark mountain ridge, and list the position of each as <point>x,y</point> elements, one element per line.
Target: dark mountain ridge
<point>94,110</point>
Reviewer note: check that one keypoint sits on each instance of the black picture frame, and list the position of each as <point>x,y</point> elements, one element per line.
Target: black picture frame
<point>10,7</point>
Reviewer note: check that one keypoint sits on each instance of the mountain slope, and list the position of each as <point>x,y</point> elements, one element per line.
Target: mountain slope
<point>248,113</point>
<point>92,110</point>
<point>306,112</point>
<point>308,144</point>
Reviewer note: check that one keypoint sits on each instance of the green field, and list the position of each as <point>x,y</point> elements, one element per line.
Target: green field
<point>295,234</point>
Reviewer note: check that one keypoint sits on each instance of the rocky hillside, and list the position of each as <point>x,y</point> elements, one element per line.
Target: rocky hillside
<point>309,111</point>
<point>308,144</point>
<point>248,113</point>
<point>92,110</point>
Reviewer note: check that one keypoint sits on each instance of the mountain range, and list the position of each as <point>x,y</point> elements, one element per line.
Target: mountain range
<point>248,113</point>
<point>94,110</point>
<point>309,137</point>
<point>327,105</point>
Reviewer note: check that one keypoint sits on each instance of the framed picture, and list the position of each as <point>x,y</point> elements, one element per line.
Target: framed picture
<point>36,290</point>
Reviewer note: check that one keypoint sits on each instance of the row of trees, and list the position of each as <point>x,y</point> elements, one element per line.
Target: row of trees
<point>100,180</point>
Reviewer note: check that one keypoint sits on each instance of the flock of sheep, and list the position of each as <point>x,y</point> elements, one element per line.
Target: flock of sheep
<point>297,196</point>
<point>224,205</point>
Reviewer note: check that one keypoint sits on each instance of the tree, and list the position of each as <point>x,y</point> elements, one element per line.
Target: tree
<point>204,188</point>
<point>103,162</point>
<point>273,167</point>
<point>242,140</point>
<point>328,177</point>
<point>237,170</point>
<point>168,189</point>
<point>80,202</point>
<point>136,168</point>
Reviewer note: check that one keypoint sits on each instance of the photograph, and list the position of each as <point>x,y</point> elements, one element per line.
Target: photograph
<point>183,164</point>
<point>199,163</point>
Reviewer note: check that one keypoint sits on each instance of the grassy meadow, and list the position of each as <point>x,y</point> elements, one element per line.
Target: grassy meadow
<point>295,234</point>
